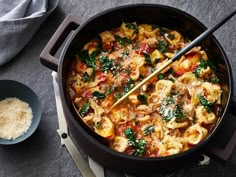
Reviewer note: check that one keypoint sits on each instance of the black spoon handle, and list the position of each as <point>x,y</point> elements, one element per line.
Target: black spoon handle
<point>204,35</point>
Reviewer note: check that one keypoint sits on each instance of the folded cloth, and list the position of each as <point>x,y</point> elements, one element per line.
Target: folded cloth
<point>19,20</point>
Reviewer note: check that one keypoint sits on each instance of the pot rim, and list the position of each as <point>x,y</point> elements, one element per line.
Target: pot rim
<point>122,155</point>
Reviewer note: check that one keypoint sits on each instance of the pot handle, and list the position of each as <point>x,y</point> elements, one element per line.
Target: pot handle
<point>47,58</point>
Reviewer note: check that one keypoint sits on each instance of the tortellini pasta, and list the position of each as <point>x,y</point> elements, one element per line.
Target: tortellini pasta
<point>169,114</point>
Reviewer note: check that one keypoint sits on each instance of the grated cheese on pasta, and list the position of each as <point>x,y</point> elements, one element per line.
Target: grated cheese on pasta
<point>15,118</point>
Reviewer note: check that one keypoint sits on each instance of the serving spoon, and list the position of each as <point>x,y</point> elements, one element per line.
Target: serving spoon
<point>195,42</point>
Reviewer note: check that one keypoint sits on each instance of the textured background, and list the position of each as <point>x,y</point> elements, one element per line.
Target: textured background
<point>42,155</point>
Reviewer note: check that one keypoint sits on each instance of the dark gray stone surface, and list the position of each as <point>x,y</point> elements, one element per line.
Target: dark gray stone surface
<point>42,155</point>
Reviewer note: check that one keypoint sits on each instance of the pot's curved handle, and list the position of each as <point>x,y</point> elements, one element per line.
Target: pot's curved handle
<point>47,58</point>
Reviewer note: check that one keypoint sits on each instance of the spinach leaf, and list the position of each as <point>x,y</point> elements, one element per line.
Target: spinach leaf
<point>108,64</point>
<point>129,133</point>
<point>204,102</point>
<point>171,36</point>
<point>179,115</point>
<point>142,98</point>
<point>99,95</point>
<point>147,59</point>
<point>129,85</point>
<point>149,129</point>
<point>132,26</point>
<point>162,45</point>
<point>85,77</point>
<point>89,60</point>
<point>203,65</point>
<point>161,76</point>
<point>84,108</point>
<point>215,80</point>
<point>139,145</point>
<point>123,41</point>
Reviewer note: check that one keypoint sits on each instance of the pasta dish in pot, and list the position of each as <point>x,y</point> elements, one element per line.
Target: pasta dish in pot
<point>171,113</point>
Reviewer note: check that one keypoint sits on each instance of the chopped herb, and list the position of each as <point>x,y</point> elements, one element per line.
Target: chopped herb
<point>138,144</point>
<point>89,60</point>
<point>132,26</point>
<point>170,110</point>
<point>179,115</point>
<point>171,36</point>
<point>162,45</point>
<point>147,59</point>
<point>85,77</point>
<point>203,65</point>
<point>204,102</point>
<point>99,95</point>
<point>84,108</point>
<point>142,98</point>
<point>97,124</point>
<point>127,70</point>
<point>153,69</point>
<point>171,79</point>
<point>125,53</point>
<point>123,41</point>
<point>149,129</point>
<point>168,100</point>
<point>215,80</point>
<point>129,133</point>
<point>129,85</point>
<point>117,95</point>
<point>108,64</point>
<point>160,76</point>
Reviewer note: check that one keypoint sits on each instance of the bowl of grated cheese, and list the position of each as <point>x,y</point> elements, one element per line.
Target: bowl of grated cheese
<point>20,112</point>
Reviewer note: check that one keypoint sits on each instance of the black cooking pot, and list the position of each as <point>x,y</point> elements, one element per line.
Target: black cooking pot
<point>142,13</point>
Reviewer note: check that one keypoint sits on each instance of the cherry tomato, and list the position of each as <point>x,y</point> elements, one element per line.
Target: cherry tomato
<point>144,48</point>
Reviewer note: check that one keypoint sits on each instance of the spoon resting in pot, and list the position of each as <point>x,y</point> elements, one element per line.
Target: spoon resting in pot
<point>195,42</point>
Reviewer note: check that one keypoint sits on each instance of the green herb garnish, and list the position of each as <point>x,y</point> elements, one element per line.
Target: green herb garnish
<point>132,26</point>
<point>139,145</point>
<point>203,65</point>
<point>142,98</point>
<point>171,36</point>
<point>160,76</point>
<point>89,60</point>
<point>129,85</point>
<point>99,95</point>
<point>85,77</point>
<point>108,64</point>
<point>215,80</point>
<point>204,102</point>
<point>123,41</point>
<point>161,45</point>
<point>149,129</point>
<point>147,59</point>
<point>179,115</point>
<point>84,108</point>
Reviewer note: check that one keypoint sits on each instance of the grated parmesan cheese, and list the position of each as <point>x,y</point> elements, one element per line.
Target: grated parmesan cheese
<point>15,118</point>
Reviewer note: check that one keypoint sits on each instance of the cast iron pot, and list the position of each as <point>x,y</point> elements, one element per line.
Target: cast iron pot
<point>141,13</point>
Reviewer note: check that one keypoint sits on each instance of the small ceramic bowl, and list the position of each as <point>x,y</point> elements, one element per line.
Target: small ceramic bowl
<point>10,89</point>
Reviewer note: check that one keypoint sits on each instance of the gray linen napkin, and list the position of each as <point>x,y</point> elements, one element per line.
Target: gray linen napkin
<point>19,20</point>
